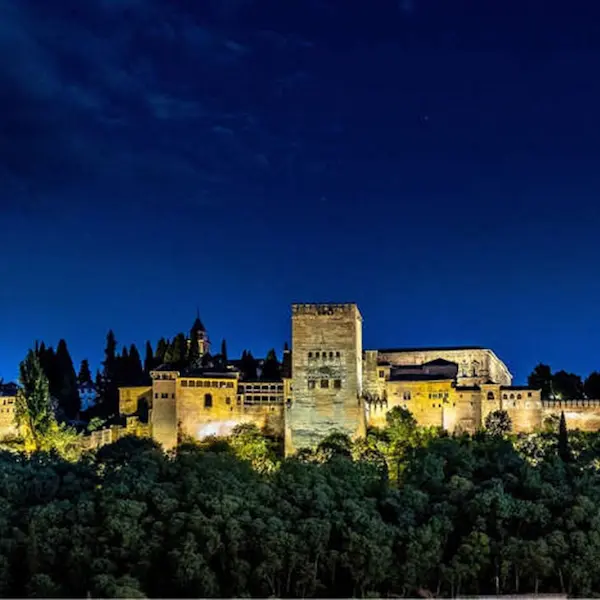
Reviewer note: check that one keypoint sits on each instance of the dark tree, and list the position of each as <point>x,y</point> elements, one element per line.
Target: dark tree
<point>148,360</point>
<point>567,386</point>
<point>161,351</point>
<point>271,370</point>
<point>135,371</point>
<point>592,385</point>
<point>563,439</point>
<point>67,393</point>
<point>498,423</point>
<point>176,354</point>
<point>224,351</point>
<point>109,394</point>
<point>85,375</point>
<point>541,379</point>
<point>248,366</point>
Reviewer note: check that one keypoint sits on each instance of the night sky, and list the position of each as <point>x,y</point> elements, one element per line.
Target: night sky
<point>436,162</point>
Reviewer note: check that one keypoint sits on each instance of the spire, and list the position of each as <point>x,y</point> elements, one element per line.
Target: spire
<point>198,325</point>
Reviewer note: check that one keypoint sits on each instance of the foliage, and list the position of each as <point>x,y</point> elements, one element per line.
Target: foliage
<point>34,416</point>
<point>498,423</point>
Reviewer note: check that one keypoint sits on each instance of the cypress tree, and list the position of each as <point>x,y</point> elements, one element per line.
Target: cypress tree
<point>148,360</point>
<point>271,370</point>
<point>85,375</point>
<point>563,439</point>
<point>248,366</point>
<point>179,350</point>
<point>67,392</point>
<point>109,395</point>
<point>33,409</point>
<point>136,373</point>
<point>224,351</point>
<point>161,351</point>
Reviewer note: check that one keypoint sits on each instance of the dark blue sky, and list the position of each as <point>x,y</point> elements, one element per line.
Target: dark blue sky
<point>436,162</point>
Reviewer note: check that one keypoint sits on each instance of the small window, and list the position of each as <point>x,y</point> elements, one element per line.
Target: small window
<point>184,383</point>
<point>208,401</point>
<point>192,383</point>
<point>156,395</point>
<point>406,395</point>
<point>173,396</point>
<point>310,355</point>
<point>317,354</point>
<point>518,396</point>
<point>433,406</point>
<point>324,383</point>
<point>504,396</point>
<point>512,396</point>
<point>163,395</point>
<point>381,373</point>
<point>490,395</point>
<point>337,384</point>
<point>331,355</point>
<point>230,384</point>
<point>311,385</point>
<point>529,394</point>
<point>337,354</point>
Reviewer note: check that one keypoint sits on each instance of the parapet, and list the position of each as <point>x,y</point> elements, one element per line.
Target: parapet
<point>325,309</point>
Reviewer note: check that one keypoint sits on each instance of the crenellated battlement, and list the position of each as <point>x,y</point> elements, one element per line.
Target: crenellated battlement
<point>571,404</point>
<point>325,309</point>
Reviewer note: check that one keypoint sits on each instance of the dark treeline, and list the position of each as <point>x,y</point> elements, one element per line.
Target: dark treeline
<point>407,511</point>
<point>564,385</point>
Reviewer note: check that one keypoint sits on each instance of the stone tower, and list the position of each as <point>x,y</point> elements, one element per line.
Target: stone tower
<point>199,330</point>
<point>326,385</point>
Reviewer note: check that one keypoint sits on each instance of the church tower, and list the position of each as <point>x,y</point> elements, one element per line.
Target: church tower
<point>199,332</point>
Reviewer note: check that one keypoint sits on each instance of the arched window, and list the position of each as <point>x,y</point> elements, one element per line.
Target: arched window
<point>518,396</point>
<point>512,396</point>
<point>207,400</point>
<point>504,396</point>
<point>490,395</point>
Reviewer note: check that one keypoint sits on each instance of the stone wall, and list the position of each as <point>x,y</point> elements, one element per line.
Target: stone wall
<point>326,374</point>
<point>475,365</point>
<point>579,414</point>
<point>131,399</point>
<point>8,426</point>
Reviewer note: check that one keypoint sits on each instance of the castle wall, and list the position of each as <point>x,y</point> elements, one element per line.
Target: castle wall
<point>130,398</point>
<point>579,414</point>
<point>326,374</point>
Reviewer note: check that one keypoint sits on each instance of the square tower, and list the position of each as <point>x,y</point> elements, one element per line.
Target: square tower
<point>326,374</point>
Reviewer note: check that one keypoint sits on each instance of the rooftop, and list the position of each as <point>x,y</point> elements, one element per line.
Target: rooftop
<point>439,362</point>
<point>429,349</point>
<point>418,377</point>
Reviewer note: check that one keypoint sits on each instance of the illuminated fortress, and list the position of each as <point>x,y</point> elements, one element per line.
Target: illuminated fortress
<point>329,383</point>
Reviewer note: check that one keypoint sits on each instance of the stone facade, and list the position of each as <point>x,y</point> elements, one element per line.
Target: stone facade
<point>327,374</point>
<point>8,426</point>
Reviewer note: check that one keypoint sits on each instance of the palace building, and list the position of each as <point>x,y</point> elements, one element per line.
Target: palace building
<point>330,383</point>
